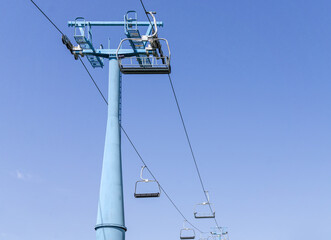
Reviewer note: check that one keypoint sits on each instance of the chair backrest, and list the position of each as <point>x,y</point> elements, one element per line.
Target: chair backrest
<point>138,194</point>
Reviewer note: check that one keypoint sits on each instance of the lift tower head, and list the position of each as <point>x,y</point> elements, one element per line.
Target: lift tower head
<point>145,55</point>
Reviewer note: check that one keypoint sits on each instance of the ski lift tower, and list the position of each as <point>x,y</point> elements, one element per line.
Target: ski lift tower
<point>144,55</point>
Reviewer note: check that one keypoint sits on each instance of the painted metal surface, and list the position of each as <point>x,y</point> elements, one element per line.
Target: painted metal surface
<point>110,217</point>
<point>143,47</point>
<point>110,220</point>
<point>83,37</point>
<point>146,64</point>
<point>132,32</point>
<point>108,53</point>
<point>111,23</point>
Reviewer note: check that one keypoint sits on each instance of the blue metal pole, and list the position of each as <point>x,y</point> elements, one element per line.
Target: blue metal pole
<point>110,221</point>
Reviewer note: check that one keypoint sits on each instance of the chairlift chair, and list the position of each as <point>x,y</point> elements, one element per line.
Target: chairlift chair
<point>153,194</point>
<point>204,209</point>
<point>204,214</point>
<point>187,233</point>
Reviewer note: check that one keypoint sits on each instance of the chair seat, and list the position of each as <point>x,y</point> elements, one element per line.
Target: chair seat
<point>146,195</point>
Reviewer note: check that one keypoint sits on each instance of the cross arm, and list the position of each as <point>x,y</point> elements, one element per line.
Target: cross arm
<point>107,53</point>
<point>108,23</point>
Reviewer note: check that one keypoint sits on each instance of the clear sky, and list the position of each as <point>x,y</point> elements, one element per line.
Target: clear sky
<point>253,81</point>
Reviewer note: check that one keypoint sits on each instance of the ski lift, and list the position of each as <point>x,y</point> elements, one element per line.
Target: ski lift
<point>187,233</point>
<point>203,236</point>
<point>204,209</point>
<point>216,230</point>
<point>143,181</point>
<point>214,237</point>
<point>153,60</point>
<point>219,233</point>
<point>225,236</point>
<point>225,231</point>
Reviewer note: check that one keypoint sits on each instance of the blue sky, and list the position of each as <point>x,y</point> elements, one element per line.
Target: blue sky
<point>253,81</point>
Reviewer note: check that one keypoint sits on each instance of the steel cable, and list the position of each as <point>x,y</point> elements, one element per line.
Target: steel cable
<point>186,133</point>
